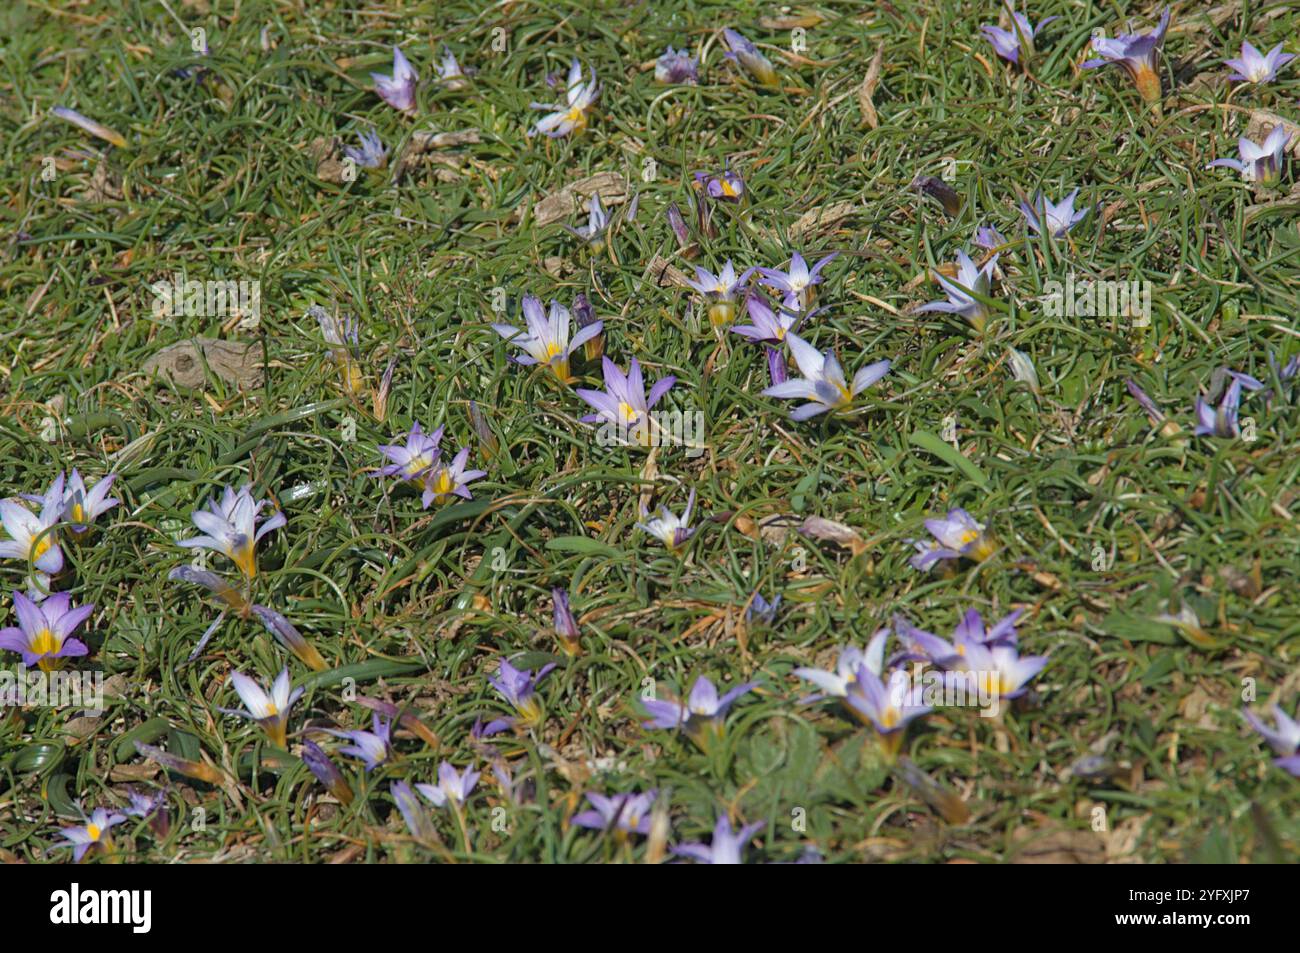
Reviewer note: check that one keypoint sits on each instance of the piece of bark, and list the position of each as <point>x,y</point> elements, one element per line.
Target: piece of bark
<point>558,206</point>
<point>665,275</point>
<point>235,362</point>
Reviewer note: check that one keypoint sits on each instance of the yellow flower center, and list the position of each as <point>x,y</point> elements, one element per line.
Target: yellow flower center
<point>93,831</point>
<point>890,717</point>
<point>728,189</point>
<point>443,485</point>
<point>42,546</point>
<point>626,412</point>
<point>45,643</point>
<point>245,558</point>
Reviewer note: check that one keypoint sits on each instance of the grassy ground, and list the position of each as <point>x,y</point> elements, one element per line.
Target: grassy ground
<point>219,181</point>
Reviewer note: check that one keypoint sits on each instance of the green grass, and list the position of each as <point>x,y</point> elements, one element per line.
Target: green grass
<point>217,182</point>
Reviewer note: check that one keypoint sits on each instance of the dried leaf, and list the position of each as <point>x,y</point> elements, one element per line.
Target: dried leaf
<point>868,88</point>
<point>564,204</point>
<point>235,362</point>
<point>815,527</point>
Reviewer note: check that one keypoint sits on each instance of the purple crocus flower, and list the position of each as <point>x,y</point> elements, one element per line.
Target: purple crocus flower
<point>593,233</point>
<point>989,238</point>
<point>1008,44</point>
<point>886,708</point>
<point>371,154</point>
<point>823,384</point>
<point>766,326</point>
<point>566,626</point>
<point>33,538</point>
<point>1137,53</point>
<point>671,530</point>
<point>319,763</point>
<point>229,527</point>
<point>594,346</point>
<point>836,684</point>
<point>519,688</point>
<point>1222,421</point>
<point>452,788</point>
<point>94,833</point>
<point>412,460</point>
<point>574,115</point>
<point>1260,163</point>
<point>677,67</point>
<point>1284,739</point>
<point>398,90</point>
<point>720,291</point>
<point>761,610</point>
<point>268,709</point>
<point>623,404</point>
<point>444,481</point>
<point>702,717</point>
<point>44,633</point>
<point>797,283</point>
<point>951,655</point>
<point>742,51</point>
<point>724,186</point>
<point>1256,67</point>
<point>546,341</point>
<point>680,232</point>
<point>1054,219</point>
<point>727,845</point>
<point>1001,670</point>
<point>621,814</point>
<point>449,72</point>
<point>372,747</point>
<point>150,807</point>
<point>81,507</point>
<point>956,536</point>
<point>965,293</point>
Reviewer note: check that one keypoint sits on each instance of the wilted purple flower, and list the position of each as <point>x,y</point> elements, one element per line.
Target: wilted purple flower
<point>679,229</point>
<point>372,153</point>
<point>720,291</point>
<point>230,527</point>
<point>94,833</point>
<point>747,55</point>
<point>956,536</point>
<point>89,125</point>
<point>623,403</point>
<point>1256,67</point>
<point>1056,220</point>
<point>398,90</point>
<point>546,341</point>
<point>372,747</point>
<point>671,530</point>
<point>82,507</point>
<point>271,711</point>
<point>1284,739</point>
<point>989,238</point>
<point>572,117</point>
<point>1222,421</point>
<point>621,814</point>
<point>44,633</point>
<point>823,384</point>
<point>1260,163</point>
<point>319,763</point>
<point>413,813</point>
<point>33,538</point>
<point>1137,53</point>
<point>1009,44</point>
<point>727,845</point>
<point>796,284</point>
<point>341,334</point>
<point>519,688</point>
<point>836,684</point>
<point>675,67</point>
<point>452,787</point>
<point>284,632</point>
<point>442,481</point>
<point>965,293</point>
<point>566,626</point>
<point>1154,413</point>
<point>702,717</point>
